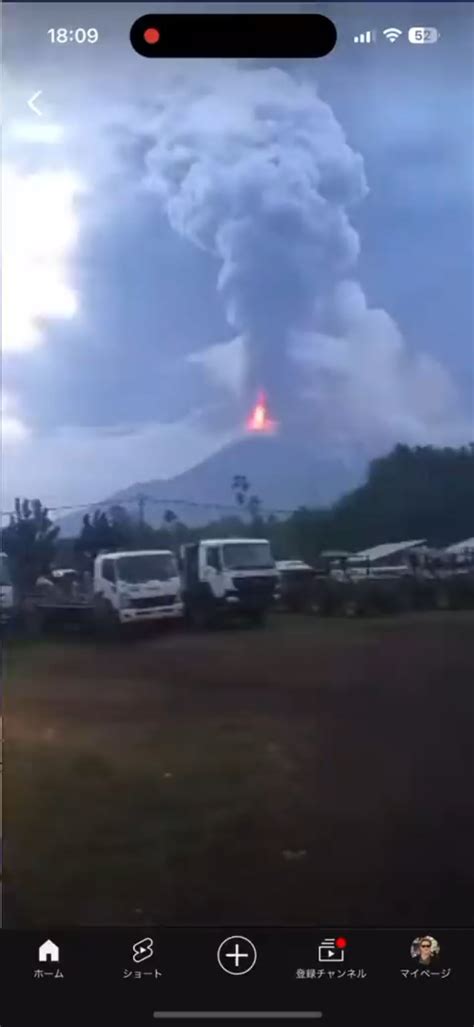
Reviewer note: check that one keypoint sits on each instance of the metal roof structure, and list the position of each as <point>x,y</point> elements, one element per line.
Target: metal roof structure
<point>293,565</point>
<point>459,547</point>
<point>234,541</point>
<point>386,549</point>
<point>112,555</point>
<point>334,554</point>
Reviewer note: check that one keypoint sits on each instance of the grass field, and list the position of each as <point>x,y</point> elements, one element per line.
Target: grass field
<point>313,771</point>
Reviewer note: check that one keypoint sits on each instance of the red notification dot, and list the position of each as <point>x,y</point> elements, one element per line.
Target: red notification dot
<point>341,943</point>
<point>151,35</point>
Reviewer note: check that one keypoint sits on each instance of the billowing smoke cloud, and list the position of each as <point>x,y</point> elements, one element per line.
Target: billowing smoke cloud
<point>252,166</point>
<point>363,386</point>
<point>255,169</point>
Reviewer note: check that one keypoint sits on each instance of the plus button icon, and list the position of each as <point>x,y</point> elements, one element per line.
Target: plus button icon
<point>236,955</point>
<point>236,950</point>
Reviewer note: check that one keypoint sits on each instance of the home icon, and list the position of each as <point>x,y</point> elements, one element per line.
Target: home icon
<point>48,952</point>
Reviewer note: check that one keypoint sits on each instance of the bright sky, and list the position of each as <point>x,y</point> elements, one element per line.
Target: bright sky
<point>39,231</point>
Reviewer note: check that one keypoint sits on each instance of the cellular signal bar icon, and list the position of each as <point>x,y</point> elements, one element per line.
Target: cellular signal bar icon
<point>366,37</point>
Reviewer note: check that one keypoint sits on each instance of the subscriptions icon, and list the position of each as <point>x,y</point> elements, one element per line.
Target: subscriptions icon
<point>332,950</point>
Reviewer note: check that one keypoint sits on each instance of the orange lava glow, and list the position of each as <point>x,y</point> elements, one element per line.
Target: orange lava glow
<point>259,418</point>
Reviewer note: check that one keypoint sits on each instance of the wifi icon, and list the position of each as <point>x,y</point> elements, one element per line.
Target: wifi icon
<point>392,34</point>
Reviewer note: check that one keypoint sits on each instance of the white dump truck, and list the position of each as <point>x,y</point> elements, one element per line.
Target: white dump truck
<point>137,586</point>
<point>7,599</point>
<point>228,576</point>
<point>124,588</point>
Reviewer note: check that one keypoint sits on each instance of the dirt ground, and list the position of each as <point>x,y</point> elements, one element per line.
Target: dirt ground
<point>315,771</point>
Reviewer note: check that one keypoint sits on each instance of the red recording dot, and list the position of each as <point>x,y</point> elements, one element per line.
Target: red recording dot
<point>341,943</point>
<point>151,35</point>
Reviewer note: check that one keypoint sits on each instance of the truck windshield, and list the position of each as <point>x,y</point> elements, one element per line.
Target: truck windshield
<point>5,578</point>
<point>147,567</point>
<point>247,556</point>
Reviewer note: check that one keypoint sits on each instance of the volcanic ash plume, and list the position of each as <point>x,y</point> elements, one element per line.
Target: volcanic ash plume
<point>253,167</point>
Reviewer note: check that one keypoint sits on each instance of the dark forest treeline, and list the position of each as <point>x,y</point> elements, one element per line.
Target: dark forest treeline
<point>421,492</point>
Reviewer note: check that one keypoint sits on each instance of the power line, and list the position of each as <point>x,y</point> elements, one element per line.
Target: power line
<point>142,499</point>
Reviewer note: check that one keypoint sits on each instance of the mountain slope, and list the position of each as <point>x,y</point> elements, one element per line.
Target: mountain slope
<point>284,472</point>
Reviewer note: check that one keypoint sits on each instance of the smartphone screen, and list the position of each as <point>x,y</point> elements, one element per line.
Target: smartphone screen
<point>237,568</point>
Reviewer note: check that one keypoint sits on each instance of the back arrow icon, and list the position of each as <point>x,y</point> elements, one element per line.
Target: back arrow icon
<point>31,103</point>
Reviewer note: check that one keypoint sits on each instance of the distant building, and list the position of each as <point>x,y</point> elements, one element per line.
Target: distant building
<point>466,546</point>
<point>393,553</point>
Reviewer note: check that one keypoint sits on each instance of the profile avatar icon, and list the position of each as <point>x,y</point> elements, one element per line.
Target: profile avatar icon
<point>425,949</point>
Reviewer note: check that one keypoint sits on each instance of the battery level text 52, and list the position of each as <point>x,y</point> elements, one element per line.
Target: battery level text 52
<point>423,35</point>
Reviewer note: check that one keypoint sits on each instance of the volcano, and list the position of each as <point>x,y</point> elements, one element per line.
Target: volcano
<point>282,471</point>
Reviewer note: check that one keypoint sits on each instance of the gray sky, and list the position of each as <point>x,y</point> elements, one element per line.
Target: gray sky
<point>177,236</point>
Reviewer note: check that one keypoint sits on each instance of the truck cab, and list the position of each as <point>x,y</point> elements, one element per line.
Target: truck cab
<point>228,576</point>
<point>296,582</point>
<point>7,601</point>
<point>131,587</point>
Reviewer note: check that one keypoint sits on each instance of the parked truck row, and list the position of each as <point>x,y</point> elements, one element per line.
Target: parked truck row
<point>217,579</point>
<point>207,581</point>
<point>351,587</point>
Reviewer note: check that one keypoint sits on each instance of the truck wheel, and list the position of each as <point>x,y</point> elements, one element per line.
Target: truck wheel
<point>112,626</point>
<point>350,607</point>
<point>34,621</point>
<point>257,618</point>
<point>106,619</point>
<point>442,599</point>
<point>199,617</point>
<point>404,599</point>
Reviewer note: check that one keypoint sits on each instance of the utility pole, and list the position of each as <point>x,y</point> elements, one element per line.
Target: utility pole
<point>141,509</point>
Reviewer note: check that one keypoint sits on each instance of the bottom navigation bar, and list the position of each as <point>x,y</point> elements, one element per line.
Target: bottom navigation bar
<point>132,977</point>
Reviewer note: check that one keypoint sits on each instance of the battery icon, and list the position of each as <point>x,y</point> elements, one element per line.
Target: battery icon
<point>423,35</point>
